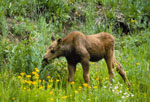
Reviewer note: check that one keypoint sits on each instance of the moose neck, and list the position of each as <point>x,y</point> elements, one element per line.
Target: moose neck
<point>66,50</point>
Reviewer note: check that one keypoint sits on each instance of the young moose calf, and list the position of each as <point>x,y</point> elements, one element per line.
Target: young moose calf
<point>77,47</point>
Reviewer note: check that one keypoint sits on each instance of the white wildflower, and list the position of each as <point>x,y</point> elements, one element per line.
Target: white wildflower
<point>132,95</point>
<point>125,93</point>
<point>116,87</point>
<point>123,97</point>
<point>113,90</point>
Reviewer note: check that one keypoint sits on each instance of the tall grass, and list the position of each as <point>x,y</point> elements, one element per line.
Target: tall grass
<point>53,88</point>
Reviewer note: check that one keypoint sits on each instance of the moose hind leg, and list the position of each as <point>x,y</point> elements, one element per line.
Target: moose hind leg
<point>121,71</point>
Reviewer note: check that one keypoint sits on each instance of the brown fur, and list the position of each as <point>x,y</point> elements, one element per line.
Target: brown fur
<point>77,47</point>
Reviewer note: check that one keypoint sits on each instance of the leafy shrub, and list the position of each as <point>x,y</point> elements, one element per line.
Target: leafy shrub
<point>5,47</point>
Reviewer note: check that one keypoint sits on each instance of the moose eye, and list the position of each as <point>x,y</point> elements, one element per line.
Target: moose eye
<point>52,51</point>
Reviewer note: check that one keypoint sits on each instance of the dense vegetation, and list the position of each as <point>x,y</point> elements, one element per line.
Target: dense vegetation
<point>25,30</point>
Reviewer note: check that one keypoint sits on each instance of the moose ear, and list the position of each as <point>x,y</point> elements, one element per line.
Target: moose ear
<point>59,40</point>
<point>53,37</point>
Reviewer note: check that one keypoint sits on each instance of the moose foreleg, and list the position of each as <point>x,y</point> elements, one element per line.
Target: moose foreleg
<point>72,69</point>
<point>86,69</point>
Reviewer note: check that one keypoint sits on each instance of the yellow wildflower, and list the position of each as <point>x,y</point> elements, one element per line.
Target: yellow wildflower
<point>22,74</point>
<point>72,82</point>
<point>57,80</point>
<point>51,92</point>
<point>127,89</point>
<point>34,72</point>
<point>117,90</point>
<point>85,84</point>
<point>89,87</point>
<point>107,78</point>
<point>48,77</point>
<point>19,77</point>
<point>95,87</point>
<point>137,63</point>
<point>75,91</point>
<point>33,82</point>
<point>39,81</point>
<point>36,69</point>
<point>41,87</point>
<point>28,76</point>
<point>80,87</point>
<point>97,78</point>
<point>24,88</point>
<point>52,99</point>
<point>37,75</point>
<point>133,21</point>
<point>64,97</point>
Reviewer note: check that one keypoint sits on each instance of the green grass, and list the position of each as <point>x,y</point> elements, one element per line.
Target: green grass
<point>135,60</point>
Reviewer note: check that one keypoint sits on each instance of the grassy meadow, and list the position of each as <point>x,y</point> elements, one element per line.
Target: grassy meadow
<point>25,34</point>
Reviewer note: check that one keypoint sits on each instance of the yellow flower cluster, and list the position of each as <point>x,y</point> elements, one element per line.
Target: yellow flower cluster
<point>27,82</point>
<point>28,76</point>
<point>85,84</point>
<point>57,80</point>
<point>72,83</point>
<point>22,74</point>
<point>32,81</point>
<point>36,69</point>
<point>80,87</point>
<point>51,92</point>
<point>95,87</point>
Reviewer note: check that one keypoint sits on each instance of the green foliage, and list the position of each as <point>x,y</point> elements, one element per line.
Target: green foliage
<point>3,26</point>
<point>128,15</point>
